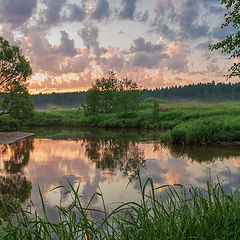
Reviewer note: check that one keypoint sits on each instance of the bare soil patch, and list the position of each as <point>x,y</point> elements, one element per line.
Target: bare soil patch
<point>10,137</point>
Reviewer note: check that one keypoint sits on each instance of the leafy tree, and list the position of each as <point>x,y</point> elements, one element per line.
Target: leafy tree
<point>99,98</point>
<point>17,103</point>
<point>92,104</point>
<point>15,70</point>
<point>127,98</point>
<point>14,67</point>
<point>231,44</point>
<point>109,94</point>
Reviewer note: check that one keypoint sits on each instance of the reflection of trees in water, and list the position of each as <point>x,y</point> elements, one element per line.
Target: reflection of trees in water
<point>19,155</point>
<point>14,186</point>
<point>205,154</point>
<point>114,153</point>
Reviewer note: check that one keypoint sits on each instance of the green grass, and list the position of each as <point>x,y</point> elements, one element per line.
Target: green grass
<point>187,124</point>
<point>188,213</point>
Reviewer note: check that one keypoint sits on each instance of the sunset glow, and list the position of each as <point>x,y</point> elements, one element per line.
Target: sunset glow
<point>156,43</point>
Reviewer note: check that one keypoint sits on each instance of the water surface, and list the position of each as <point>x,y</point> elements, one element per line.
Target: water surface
<point>101,160</point>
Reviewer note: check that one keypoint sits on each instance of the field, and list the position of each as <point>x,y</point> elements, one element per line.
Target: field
<point>187,124</point>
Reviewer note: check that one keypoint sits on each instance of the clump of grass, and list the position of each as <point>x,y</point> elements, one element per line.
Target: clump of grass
<point>188,213</point>
<point>204,131</point>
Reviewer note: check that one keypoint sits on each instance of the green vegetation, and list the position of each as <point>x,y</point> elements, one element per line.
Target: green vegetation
<point>195,93</point>
<point>15,70</point>
<point>231,43</point>
<point>188,213</point>
<point>109,94</point>
<point>187,124</point>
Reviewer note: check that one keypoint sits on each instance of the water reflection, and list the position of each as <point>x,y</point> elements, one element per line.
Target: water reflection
<point>205,154</point>
<point>105,160</point>
<point>15,188</point>
<point>114,154</point>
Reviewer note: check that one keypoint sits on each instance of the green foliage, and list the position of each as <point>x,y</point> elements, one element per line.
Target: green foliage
<point>14,72</point>
<point>188,213</point>
<point>127,99</point>
<point>14,67</point>
<point>93,101</point>
<point>231,44</point>
<point>188,124</point>
<point>204,131</point>
<point>155,109</point>
<point>8,124</point>
<point>109,94</point>
<point>17,103</point>
<point>99,98</point>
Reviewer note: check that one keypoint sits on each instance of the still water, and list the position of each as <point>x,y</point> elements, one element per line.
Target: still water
<point>101,160</point>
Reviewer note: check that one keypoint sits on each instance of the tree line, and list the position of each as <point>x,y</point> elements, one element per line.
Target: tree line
<point>202,92</point>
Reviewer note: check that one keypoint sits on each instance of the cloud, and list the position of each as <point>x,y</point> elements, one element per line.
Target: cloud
<point>128,9</point>
<point>183,21</point>
<point>16,12</point>
<point>67,46</point>
<point>165,8</point>
<point>147,60</point>
<point>76,13</point>
<point>146,54</point>
<point>165,20</point>
<point>63,82</point>
<point>53,11</point>
<point>57,59</point>
<point>142,17</point>
<point>189,20</point>
<point>101,11</point>
<point>177,60</point>
<point>89,35</point>
<point>140,44</point>
<point>204,45</point>
<point>113,60</point>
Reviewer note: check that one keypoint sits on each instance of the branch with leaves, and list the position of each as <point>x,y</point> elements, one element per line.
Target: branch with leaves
<point>231,44</point>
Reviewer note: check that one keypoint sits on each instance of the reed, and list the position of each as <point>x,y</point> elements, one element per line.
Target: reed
<point>188,213</point>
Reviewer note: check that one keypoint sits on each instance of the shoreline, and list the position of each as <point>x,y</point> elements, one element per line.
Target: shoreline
<point>11,137</point>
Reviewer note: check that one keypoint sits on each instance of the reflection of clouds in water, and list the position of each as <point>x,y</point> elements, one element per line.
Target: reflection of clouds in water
<point>168,171</point>
<point>52,161</point>
<point>66,182</point>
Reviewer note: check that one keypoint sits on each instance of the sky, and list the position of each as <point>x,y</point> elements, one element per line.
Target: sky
<point>157,43</point>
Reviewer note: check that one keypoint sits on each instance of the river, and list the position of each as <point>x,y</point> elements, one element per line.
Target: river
<point>105,161</point>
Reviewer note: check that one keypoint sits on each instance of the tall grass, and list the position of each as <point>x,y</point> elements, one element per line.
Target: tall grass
<point>188,213</point>
<point>204,131</point>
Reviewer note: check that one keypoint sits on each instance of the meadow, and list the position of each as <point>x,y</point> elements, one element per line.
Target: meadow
<point>183,123</point>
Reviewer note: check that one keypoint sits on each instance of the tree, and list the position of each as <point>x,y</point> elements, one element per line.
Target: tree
<point>14,67</point>
<point>127,98</point>
<point>109,94</point>
<point>15,70</point>
<point>231,44</point>
<point>17,102</point>
<point>99,98</point>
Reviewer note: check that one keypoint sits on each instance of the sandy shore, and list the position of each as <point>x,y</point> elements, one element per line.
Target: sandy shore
<point>10,137</point>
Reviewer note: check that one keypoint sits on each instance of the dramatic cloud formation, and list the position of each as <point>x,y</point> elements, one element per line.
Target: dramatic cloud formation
<point>16,12</point>
<point>102,10</point>
<point>157,42</point>
<point>128,9</point>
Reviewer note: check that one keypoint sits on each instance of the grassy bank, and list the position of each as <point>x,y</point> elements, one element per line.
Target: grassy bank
<point>189,213</point>
<point>188,124</point>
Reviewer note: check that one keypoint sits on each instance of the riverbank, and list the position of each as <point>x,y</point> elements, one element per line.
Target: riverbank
<point>186,124</point>
<point>11,137</point>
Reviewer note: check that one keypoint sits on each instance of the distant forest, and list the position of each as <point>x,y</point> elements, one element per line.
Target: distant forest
<point>198,93</point>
